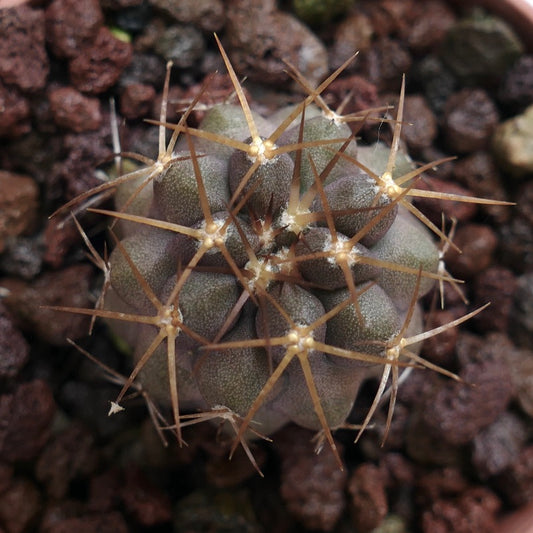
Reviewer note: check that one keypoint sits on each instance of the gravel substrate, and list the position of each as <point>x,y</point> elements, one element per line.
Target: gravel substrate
<point>459,455</point>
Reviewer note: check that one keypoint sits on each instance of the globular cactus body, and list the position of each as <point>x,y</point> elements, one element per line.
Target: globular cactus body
<point>306,337</point>
<point>266,269</point>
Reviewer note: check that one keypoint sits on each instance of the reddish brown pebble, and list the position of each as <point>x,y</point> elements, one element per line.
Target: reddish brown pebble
<point>496,285</point>
<point>352,34</point>
<point>20,505</point>
<point>397,431</point>
<point>18,205</point>
<point>23,58</point>
<point>68,287</point>
<point>477,244</point>
<point>222,473</point>
<point>59,236</point>
<point>443,171</point>
<point>421,128</point>
<point>362,94</point>
<point>471,348</point>
<point>474,511</point>
<point>6,476</point>
<point>98,66</point>
<point>136,100</point>
<point>220,89</point>
<point>368,504</point>
<point>149,505</point>
<point>453,298</point>
<point>13,347</point>
<point>423,446</point>
<point>259,36</point>
<point>479,173</point>
<point>470,118</point>
<point>396,470</point>
<point>15,112</point>
<point>427,26</point>
<point>439,483</point>
<point>175,94</point>
<point>73,111</point>
<point>69,455</point>
<point>458,411</point>
<point>312,485</point>
<point>104,490</point>
<point>25,421</point>
<point>419,384</point>
<point>72,25</point>
<point>385,63</point>
<point>388,16</point>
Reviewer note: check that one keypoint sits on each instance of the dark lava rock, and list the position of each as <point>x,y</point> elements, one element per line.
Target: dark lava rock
<point>496,447</point>
<point>183,45</point>
<point>13,347</point>
<point>516,90</point>
<point>25,421</point>
<point>480,48</point>
<point>207,15</point>
<point>496,285</point>
<point>470,118</point>
<point>68,456</point>
<point>437,81</point>
<point>522,310</point>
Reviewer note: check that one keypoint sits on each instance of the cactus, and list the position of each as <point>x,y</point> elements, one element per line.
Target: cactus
<point>262,271</point>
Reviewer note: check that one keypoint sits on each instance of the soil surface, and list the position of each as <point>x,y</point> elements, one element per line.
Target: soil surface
<point>459,455</point>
